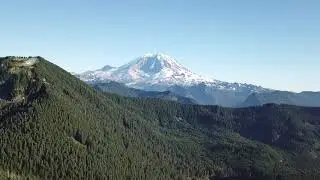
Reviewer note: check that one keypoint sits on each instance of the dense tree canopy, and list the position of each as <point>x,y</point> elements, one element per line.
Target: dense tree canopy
<point>53,126</point>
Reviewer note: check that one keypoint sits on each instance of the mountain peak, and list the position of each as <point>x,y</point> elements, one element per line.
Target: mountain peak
<point>158,56</point>
<point>155,63</point>
<point>155,69</point>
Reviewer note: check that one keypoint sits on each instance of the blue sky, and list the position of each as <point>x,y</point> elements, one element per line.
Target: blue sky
<point>271,43</point>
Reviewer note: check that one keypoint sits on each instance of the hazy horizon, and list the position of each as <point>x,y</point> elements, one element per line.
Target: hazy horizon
<point>271,44</point>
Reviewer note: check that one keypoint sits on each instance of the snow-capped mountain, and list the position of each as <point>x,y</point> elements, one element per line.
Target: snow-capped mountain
<point>155,69</point>
<point>160,72</point>
<point>148,69</point>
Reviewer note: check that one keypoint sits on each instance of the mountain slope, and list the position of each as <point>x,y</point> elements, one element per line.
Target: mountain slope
<point>53,126</point>
<point>283,97</point>
<point>66,130</point>
<point>123,90</point>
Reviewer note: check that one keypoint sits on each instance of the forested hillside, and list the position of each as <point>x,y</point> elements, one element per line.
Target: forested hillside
<point>53,126</point>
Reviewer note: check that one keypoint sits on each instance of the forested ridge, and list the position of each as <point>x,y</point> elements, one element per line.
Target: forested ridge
<point>53,126</point>
<point>123,90</point>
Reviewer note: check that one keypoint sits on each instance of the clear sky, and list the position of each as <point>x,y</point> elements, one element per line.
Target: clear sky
<point>273,43</point>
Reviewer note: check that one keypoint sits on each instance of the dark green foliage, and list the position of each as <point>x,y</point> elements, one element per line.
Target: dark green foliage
<point>53,126</point>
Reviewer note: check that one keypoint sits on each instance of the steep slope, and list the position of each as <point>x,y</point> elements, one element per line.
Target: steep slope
<point>283,97</point>
<point>53,126</point>
<point>123,90</point>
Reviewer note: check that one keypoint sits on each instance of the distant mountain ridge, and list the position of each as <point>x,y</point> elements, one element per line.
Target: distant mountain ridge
<point>305,98</point>
<point>123,90</point>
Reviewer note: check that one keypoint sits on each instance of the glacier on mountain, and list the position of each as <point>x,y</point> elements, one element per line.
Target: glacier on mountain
<point>159,70</point>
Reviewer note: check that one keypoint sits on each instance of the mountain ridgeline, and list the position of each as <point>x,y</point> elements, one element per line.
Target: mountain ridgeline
<point>123,90</point>
<point>283,97</point>
<point>54,126</point>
